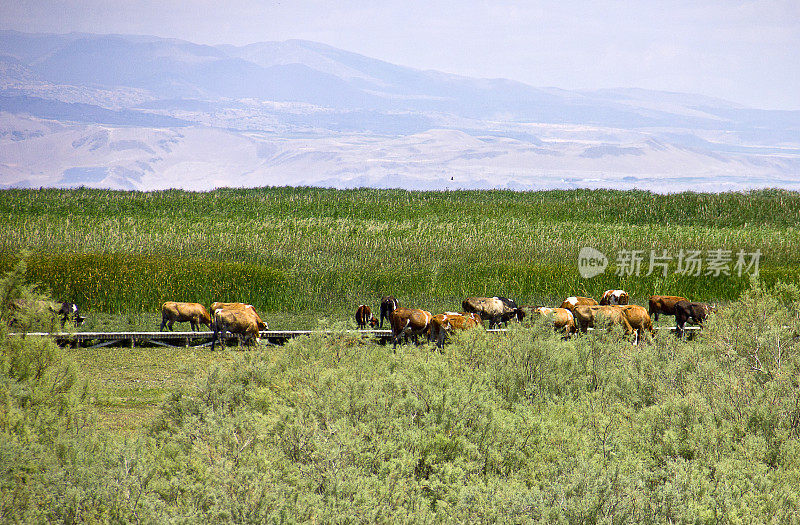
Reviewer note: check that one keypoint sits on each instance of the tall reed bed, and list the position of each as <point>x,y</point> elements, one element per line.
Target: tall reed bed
<point>129,282</point>
<point>303,249</point>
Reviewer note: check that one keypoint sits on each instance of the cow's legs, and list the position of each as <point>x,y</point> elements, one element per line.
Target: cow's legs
<point>221,335</point>
<point>163,324</point>
<point>679,325</point>
<point>440,339</point>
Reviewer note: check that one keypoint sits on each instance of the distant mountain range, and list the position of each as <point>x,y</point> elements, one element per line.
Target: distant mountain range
<point>139,112</point>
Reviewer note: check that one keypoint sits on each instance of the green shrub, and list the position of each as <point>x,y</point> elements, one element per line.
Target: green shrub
<point>519,427</point>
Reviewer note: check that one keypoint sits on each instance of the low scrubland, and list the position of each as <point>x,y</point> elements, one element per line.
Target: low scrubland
<point>521,427</point>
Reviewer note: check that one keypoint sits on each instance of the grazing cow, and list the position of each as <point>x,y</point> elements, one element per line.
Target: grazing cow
<point>693,312</point>
<point>364,316</point>
<point>447,322</point>
<point>68,311</point>
<point>519,312</point>
<point>614,297</point>
<point>561,317</point>
<point>388,305</point>
<point>194,313</point>
<point>491,308</point>
<point>262,325</point>
<point>571,302</point>
<point>663,304</point>
<point>64,310</point>
<point>409,322</point>
<point>639,320</point>
<point>587,315</point>
<point>243,323</point>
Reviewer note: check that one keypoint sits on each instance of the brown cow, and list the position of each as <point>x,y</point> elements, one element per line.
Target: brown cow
<point>364,316</point>
<point>571,302</point>
<point>447,322</point>
<point>586,316</point>
<point>243,323</point>
<point>561,317</point>
<point>194,313</point>
<point>409,322</point>
<point>614,297</point>
<point>639,320</point>
<point>262,325</point>
<point>495,309</point>
<point>663,304</point>
<point>694,312</point>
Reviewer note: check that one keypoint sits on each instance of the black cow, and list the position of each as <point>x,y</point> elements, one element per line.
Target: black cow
<point>64,310</point>
<point>694,312</point>
<point>388,305</point>
<point>69,311</point>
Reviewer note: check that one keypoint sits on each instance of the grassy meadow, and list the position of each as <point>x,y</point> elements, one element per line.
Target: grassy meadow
<point>299,254</point>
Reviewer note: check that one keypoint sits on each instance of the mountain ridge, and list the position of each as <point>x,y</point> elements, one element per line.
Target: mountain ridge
<point>338,117</point>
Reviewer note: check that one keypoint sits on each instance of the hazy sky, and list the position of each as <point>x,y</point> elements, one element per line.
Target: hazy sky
<point>743,51</point>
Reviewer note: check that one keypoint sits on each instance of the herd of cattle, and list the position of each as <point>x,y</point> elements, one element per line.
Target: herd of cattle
<point>576,314</point>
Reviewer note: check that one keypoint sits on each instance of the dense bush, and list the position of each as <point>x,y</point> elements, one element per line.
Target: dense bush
<point>521,427</point>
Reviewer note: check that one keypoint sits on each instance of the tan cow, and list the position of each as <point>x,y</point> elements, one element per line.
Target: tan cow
<point>561,317</point>
<point>587,315</point>
<point>194,313</point>
<point>243,323</point>
<point>571,302</point>
<point>496,309</point>
<point>445,323</point>
<point>614,297</point>
<point>663,304</point>
<point>409,322</point>
<point>262,325</point>
<point>639,320</point>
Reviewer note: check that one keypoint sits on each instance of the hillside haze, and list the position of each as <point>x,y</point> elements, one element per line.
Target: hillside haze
<point>145,113</point>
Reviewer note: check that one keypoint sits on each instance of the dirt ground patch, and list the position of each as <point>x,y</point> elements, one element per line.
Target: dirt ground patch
<point>129,384</point>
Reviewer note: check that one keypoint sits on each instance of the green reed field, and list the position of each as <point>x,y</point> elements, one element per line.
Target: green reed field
<point>301,253</point>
